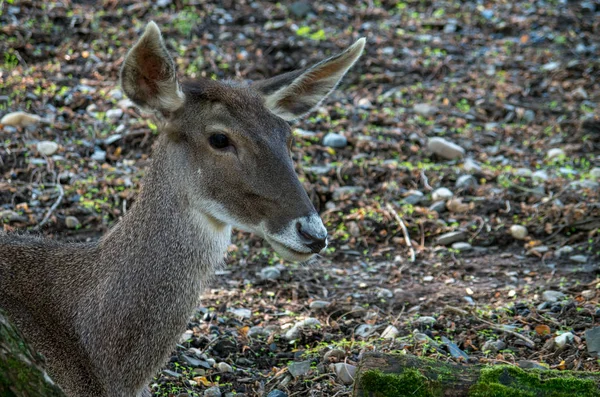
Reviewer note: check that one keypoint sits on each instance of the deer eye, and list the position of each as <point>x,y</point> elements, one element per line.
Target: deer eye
<point>219,141</point>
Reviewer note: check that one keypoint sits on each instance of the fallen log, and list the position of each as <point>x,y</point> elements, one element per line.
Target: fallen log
<point>387,375</point>
<point>21,369</point>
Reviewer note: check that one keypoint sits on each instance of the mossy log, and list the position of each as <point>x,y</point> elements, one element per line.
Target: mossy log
<point>21,369</point>
<point>384,375</point>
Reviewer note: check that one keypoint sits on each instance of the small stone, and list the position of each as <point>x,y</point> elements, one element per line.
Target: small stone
<point>438,206</point>
<point>213,391</point>
<point>441,194</point>
<point>579,258</point>
<point>592,339</point>
<point>567,249</point>
<point>300,9</point>
<point>300,368</point>
<point>294,332</point>
<point>552,296</point>
<point>345,372</point>
<point>112,139</point>
<point>425,109</point>
<point>428,279</point>
<point>384,293</point>
<point>390,332</point>
<point>524,172</point>
<point>335,140</point>
<point>270,273</point>
<point>528,116</point>
<point>364,330</point>
<point>71,222</point>
<point>347,191</point>
<point>277,393</point>
<point>493,346</point>
<point>116,94</point>
<point>47,148</point>
<point>450,26</point>
<point>595,173</point>
<point>562,339</point>
<point>114,114</point>
<point>193,362</point>
<point>241,312</point>
<point>471,165</point>
<point>170,373</point>
<point>445,149</point>
<point>426,320</point>
<point>460,246</point>
<point>125,104</point>
<point>550,66</point>
<point>257,331</point>
<point>451,237</point>
<point>540,175</point>
<point>334,355</point>
<point>487,14</point>
<point>99,155</point>
<point>318,305</point>
<point>413,197</point>
<point>526,364</point>
<point>518,232</point>
<point>465,181</point>
<point>588,294</point>
<point>224,367</point>
<point>555,153</point>
<point>20,119</point>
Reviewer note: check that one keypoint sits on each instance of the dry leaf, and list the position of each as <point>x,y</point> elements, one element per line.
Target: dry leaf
<point>542,329</point>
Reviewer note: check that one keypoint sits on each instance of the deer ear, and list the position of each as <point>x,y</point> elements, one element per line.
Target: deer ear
<point>148,75</point>
<point>293,94</point>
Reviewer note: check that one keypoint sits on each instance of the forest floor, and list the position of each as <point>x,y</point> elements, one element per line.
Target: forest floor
<point>515,84</point>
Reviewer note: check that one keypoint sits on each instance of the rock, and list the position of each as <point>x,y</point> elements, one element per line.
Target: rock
<point>334,355</point>
<point>20,119</point>
<point>335,140</point>
<point>540,175</point>
<point>114,114</point>
<point>493,346</point>
<point>471,165</point>
<point>224,367</point>
<point>364,330</point>
<point>270,273</point>
<point>171,374</point>
<point>525,364</point>
<point>555,153</point>
<point>584,184</point>
<point>454,349</point>
<point>317,305</point>
<point>579,258</point>
<point>441,193</point>
<point>390,332</point>
<point>257,331</point>
<point>528,116</point>
<point>384,293</point>
<point>588,294</point>
<point>518,232</point>
<point>445,149</point>
<point>116,94</point>
<point>213,391</point>
<point>595,173</point>
<point>451,237</point>
<point>428,279</point>
<point>426,320</point>
<point>112,139</point>
<point>345,191</point>
<point>425,109</point>
<point>99,155</point>
<point>592,340</point>
<point>125,104</point>
<point>413,197</point>
<point>299,368</point>
<point>465,181</point>
<point>524,172</point>
<point>194,362</point>
<point>294,332</point>
<point>562,339</point>
<point>72,222</point>
<point>300,9</point>
<point>345,372</point>
<point>277,393</point>
<point>438,206</point>
<point>567,249</point>
<point>550,66</point>
<point>47,148</point>
<point>451,26</point>
<point>241,312</point>
<point>487,14</point>
<point>552,296</point>
<point>460,246</point>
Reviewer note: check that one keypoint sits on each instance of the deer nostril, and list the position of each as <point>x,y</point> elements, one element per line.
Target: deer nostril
<point>313,238</point>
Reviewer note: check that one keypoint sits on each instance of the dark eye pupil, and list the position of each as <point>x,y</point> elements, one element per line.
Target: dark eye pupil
<point>218,141</point>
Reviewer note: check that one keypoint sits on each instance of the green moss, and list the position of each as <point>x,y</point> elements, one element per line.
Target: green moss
<point>411,382</point>
<point>508,381</point>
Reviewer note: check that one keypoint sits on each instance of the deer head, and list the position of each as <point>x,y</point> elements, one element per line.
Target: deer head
<point>229,143</point>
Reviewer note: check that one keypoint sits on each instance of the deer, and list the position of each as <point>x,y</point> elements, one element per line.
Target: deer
<point>106,314</point>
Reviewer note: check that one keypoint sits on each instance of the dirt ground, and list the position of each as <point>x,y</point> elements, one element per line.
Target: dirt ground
<point>515,84</point>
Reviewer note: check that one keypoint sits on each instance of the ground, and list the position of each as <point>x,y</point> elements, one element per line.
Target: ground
<point>506,81</point>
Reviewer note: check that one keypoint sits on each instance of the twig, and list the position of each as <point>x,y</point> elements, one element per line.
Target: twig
<point>425,181</point>
<point>404,231</point>
<point>54,206</point>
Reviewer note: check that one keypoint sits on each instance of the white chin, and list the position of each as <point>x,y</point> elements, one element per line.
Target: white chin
<point>289,254</point>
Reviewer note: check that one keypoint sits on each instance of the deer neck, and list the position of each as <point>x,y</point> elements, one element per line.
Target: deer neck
<point>166,234</point>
